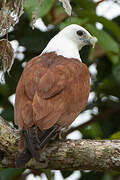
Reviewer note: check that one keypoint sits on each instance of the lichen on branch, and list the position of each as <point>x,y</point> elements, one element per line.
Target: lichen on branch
<point>80,154</point>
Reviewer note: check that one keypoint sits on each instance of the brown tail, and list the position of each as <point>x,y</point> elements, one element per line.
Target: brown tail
<point>35,140</point>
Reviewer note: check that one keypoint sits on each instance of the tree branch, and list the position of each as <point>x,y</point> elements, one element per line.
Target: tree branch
<point>67,155</point>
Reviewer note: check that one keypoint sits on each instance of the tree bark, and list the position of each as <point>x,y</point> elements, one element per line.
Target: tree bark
<point>63,155</point>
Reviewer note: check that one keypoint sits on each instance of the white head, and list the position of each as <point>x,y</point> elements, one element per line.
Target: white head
<point>69,41</point>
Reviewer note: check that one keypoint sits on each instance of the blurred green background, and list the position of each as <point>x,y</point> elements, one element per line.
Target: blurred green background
<point>103,62</point>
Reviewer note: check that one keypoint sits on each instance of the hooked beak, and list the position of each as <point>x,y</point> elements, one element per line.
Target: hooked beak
<point>92,40</point>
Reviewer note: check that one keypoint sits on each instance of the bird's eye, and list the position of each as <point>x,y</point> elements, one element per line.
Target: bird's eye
<point>80,33</point>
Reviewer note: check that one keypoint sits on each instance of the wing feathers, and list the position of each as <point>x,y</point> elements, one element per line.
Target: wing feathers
<point>51,83</point>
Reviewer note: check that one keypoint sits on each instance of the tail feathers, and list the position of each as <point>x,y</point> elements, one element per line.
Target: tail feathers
<point>35,140</point>
<point>31,143</point>
<point>23,158</point>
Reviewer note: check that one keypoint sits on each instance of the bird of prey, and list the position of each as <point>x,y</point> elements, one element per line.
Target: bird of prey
<point>52,91</point>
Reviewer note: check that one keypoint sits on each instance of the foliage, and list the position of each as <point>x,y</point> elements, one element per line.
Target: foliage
<point>105,84</point>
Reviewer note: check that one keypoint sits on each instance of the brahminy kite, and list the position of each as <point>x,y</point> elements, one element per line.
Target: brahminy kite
<point>52,91</point>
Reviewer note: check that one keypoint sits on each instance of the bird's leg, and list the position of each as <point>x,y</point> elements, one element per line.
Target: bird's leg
<point>58,136</point>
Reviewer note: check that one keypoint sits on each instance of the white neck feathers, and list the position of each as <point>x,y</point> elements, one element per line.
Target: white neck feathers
<point>62,46</point>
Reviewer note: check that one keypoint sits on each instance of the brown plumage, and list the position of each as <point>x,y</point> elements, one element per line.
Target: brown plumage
<point>51,93</point>
<point>52,90</point>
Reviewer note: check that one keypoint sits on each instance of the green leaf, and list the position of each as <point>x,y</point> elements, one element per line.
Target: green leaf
<point>34,5</point>
<point>92,175</point>
<point>8,114</point>
<point>73,20</point>
<point>109,87</point>
<point>49,174</point>
<point>107,42</point>
<point>115,135</point>
<point>108,24</point>
<point>107,176</point>
<point>4,90</point>
<point>116,73</point>
<point>66,174</point>
<point>92,131</point>
<point>10,173</point>
<point>87,4</point>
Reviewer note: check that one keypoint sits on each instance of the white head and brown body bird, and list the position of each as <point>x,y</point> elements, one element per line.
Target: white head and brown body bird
<point>52,91</point>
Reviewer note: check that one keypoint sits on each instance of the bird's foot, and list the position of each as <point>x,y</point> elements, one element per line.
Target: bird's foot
<point>59,136</point>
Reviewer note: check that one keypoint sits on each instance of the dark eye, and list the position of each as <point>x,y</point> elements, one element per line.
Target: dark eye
<point>80,33</point>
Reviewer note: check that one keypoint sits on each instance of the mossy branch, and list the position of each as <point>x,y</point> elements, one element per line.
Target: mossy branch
<point>63,155</point>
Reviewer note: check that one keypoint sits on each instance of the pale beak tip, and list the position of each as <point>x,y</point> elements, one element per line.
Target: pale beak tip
<point>93,41</point>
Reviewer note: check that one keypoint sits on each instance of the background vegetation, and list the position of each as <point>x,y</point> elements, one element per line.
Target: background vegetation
<point>105,86</point>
